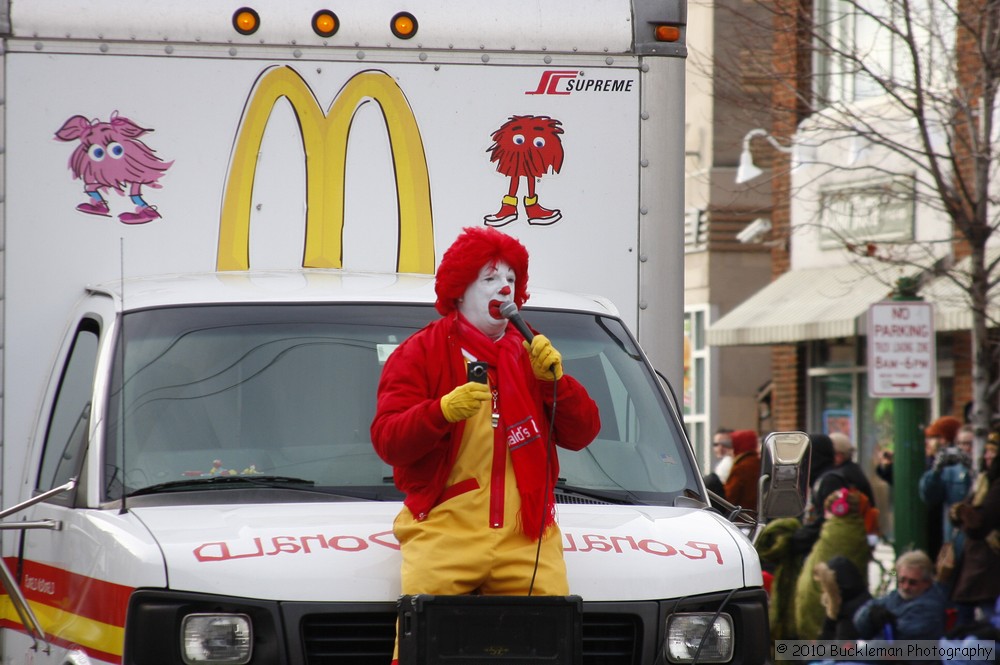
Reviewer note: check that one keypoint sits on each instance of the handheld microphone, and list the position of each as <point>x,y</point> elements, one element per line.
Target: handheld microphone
<point>508,310</point>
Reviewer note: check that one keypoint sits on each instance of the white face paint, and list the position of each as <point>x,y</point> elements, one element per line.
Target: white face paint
<point>481,302</point>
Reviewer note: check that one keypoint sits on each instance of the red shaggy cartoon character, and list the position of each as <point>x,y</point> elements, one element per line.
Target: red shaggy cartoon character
<point>526,146</point>
<point>476,460</point>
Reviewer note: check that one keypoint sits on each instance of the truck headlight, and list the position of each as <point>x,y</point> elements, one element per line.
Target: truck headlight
<point>687,631</point>
<point>213,639</point>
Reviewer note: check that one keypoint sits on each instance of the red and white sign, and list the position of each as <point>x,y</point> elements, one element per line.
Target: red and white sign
<point>901,352</point>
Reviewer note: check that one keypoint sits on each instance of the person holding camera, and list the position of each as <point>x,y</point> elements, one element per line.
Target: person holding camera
<point>948,480</point>
<point>475,459</point>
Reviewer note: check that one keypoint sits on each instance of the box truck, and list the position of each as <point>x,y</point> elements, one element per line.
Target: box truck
<point>220,219</point>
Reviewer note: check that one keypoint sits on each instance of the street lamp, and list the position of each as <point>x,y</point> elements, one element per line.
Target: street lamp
<point>747,170</point>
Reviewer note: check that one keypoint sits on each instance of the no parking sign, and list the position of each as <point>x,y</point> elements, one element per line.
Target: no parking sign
<point>902,359</point>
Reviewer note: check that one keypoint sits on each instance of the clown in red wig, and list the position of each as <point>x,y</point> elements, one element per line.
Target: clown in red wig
<point>476,460</point>
<point>526,146</point>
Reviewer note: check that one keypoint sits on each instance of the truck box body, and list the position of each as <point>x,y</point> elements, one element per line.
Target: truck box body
<point>212,241</point>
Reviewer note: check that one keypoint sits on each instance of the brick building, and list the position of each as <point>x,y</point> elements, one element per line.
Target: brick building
<point>835,188</point>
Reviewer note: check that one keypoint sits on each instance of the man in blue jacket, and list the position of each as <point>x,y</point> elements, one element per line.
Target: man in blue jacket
<point>948,481</point>
<point>914,611</point>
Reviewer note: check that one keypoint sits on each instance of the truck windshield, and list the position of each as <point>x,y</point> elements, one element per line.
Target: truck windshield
<point>289,391</point>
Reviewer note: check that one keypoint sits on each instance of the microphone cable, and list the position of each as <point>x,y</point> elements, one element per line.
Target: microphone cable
<point>549,445</point>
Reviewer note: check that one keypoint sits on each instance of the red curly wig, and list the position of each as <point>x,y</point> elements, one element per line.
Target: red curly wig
<point>474,248</point>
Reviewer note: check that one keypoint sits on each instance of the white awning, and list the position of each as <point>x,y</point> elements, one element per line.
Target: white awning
<point>815,303</point>
<point>952,307</point>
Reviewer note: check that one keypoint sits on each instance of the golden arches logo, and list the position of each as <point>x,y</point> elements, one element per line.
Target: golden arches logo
<point>324,141</point>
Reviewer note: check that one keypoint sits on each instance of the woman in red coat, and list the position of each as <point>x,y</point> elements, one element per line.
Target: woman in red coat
<point>741,488</point>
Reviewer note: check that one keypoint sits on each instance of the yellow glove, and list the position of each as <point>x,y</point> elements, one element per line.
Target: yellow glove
<point>545,360</point>
<point>464,402</point>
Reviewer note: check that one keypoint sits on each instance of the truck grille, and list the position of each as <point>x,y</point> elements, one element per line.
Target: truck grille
<point>358,638</point>
<point>366,638</point>
<point>611,639</point>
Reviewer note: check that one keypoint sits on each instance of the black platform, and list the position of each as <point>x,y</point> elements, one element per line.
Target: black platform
<point>496,630</point>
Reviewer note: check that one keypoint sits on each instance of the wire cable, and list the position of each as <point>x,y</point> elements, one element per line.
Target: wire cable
<point>548,476</point>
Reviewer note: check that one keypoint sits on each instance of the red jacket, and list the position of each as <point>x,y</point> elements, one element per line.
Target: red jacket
<point>410,432</point>
<point>741,488</point>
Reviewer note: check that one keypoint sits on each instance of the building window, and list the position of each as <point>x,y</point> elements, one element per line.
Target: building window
<point>695,390</point>
<point>860,48</point>
<point>835,382</point>
<point>878,210</point>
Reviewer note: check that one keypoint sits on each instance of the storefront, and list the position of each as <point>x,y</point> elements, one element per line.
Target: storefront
<point>823,312</point>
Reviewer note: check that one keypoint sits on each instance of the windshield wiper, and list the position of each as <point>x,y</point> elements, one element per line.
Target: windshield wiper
<point>622,496</point>
<point>277,482</point>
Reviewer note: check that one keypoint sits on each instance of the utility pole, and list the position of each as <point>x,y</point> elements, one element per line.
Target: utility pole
<point>909,416</point>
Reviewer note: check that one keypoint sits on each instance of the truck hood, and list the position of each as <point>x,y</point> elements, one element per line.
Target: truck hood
<point>346,551</point>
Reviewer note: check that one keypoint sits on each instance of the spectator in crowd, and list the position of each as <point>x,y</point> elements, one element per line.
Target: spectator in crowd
<point>741,487</point>
<point>823,482</point>
<point>977,580</point>
<point>842,534</point>
<point>966,439</point>
<point>946,481</point>
<point>843,590</point>
<point>847,468</point>
<point>912,611</point>
<point>883,467</point>
<point>722,448</point>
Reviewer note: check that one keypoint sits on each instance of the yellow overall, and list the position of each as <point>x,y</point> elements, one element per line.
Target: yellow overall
<point>464,545</point>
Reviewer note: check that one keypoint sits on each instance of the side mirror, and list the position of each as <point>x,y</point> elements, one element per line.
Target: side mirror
<point>784,475</point>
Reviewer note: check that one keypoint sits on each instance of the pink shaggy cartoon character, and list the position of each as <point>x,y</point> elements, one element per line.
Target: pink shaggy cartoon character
<point>111,156</point>
<point>526,146</point>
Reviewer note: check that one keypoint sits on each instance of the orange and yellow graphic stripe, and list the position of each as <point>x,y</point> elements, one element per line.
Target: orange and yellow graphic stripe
<point>75,611</point>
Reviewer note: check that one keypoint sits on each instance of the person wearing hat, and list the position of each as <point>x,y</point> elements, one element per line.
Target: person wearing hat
<point>475,459</point>
<point>946,482</point>
<point>940,434</point>
<point>741,487</point>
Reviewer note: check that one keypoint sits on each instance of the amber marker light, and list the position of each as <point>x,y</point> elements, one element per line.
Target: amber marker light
<point>246,21</point>
<point>667,33</point>
<point>325,23</point>
<point>404,25</point>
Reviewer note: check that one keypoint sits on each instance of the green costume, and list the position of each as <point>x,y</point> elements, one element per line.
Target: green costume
<point>775,548</point>
<point>842,535</point>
